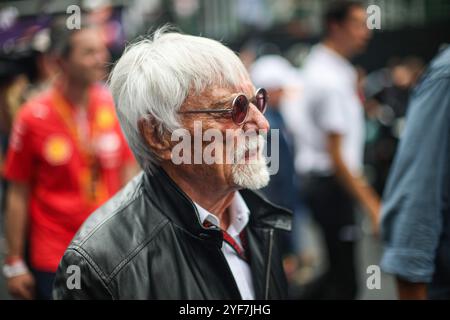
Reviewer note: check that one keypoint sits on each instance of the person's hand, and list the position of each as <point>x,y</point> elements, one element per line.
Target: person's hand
<point>22,286</point>
<point>374,209</point>
<point>411,291</point>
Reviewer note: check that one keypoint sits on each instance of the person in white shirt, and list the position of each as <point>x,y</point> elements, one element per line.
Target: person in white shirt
<point>329,138</point>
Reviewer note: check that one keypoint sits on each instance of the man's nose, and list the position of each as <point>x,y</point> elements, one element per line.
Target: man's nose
<point>256,120</point>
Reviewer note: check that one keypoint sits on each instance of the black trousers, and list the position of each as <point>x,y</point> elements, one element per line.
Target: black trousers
<point>333,209</point>
<point>44,284</point>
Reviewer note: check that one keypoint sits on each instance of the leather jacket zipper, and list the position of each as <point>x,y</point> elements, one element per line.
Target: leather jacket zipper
<point>269,259</point>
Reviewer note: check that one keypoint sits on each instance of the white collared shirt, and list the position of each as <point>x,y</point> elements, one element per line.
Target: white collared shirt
<point>330,104</point>
<point>239,217</point>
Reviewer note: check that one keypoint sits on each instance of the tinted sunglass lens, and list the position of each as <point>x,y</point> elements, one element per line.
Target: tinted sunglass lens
<point>261,100</point>
<point>240,108</point>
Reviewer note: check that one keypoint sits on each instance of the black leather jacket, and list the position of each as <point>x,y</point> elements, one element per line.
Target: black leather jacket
<point>147,243</point>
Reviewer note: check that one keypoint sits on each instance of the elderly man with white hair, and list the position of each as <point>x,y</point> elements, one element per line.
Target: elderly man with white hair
<point>186,227</point>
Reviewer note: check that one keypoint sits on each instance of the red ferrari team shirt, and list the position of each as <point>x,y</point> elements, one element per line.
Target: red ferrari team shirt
<point>72,159</point>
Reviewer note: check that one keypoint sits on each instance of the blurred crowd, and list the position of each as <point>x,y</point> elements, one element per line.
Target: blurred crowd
<point>339,130</point>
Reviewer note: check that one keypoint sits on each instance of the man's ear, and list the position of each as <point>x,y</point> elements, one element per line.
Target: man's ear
<point>159,143</point>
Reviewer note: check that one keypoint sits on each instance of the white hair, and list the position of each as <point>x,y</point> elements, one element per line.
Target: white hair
<point>154,76</point>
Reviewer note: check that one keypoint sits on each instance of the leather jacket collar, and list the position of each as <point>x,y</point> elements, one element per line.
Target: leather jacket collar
<point>182,211</point>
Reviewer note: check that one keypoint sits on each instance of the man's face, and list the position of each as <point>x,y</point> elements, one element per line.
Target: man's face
<point>86,62</point>
<point>248,168</point>
<point>353,32</point>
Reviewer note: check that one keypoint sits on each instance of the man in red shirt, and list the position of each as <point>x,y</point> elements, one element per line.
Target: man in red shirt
<point>67,156</point>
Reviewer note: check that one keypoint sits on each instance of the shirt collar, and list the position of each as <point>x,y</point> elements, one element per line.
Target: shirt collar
<point>239,215</point>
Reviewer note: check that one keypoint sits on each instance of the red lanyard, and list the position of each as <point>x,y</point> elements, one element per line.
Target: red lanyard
<point>240,250</point>
<point>90,179</point>
<point>64,111</point>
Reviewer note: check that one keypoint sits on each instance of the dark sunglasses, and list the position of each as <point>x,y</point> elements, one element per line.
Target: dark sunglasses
<point>240,106</point>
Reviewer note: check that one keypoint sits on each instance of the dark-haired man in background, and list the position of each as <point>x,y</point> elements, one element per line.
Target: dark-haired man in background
<point>66,157</point>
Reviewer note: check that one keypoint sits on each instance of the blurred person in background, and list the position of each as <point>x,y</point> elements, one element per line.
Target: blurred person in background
<point>273,72</point>
<point>416,208</point>
<point>387,91</point>
<point>391,85</point>
<point>67,155</point>
<point>102,14</point>
<point>23,72</point>
<point>43,70</point>
<point>12,84</point>
<point>329,135</point>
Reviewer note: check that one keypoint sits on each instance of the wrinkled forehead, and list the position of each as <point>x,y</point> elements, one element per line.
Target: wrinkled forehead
<point>219,93</point>
<point>246,87</point>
